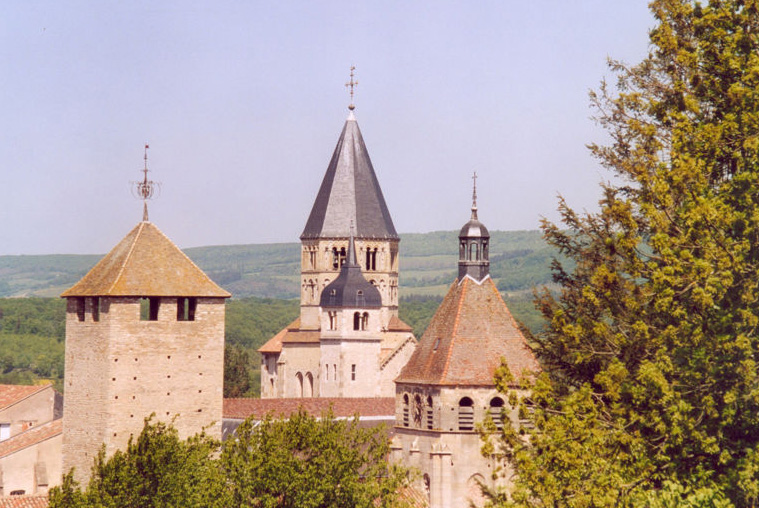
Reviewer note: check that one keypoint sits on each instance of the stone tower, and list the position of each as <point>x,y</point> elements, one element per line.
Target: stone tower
<point>144,335</point>
<point>448,384</point>
<point>349,201</point>
<point>349,194</point>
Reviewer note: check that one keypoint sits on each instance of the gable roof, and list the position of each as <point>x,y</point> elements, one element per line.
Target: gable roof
<point>466,339</point>
<point>31,437</point>
<point>24,502</point>
<point>10,394</point>
<point>146,263</point>
<point>350,193</point>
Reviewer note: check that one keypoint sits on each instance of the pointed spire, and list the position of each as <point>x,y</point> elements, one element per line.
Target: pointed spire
<point>474,196</point>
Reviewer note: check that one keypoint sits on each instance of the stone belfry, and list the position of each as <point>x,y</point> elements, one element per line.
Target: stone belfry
<point>349,194</point>
<point>144,335</point>
<point>343,347</point>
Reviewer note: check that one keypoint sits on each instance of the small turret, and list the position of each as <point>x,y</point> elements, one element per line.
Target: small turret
<point>473,244</point>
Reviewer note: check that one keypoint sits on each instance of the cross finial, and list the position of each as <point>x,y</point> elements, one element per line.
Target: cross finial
<point>351,85</point>
<point>145,189</point>
<point>474,195</point>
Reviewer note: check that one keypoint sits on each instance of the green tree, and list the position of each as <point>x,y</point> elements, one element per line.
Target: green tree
<point>237,372</point>
<point>651,389</point>
<point>307,462</point>
<point>156,470</point>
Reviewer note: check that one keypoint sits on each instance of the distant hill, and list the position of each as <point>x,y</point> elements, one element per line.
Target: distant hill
<point>519,260</point>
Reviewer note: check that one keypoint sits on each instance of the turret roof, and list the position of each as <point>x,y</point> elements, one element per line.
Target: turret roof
<point>350,193</point>
<point>466,339</point>
<point>146,263</point>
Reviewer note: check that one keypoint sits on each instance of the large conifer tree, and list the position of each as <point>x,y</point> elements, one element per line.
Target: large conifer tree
<point>650,392</point>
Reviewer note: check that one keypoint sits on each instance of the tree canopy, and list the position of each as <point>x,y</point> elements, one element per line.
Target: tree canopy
<point>651,391</point>
<point>302,462</point>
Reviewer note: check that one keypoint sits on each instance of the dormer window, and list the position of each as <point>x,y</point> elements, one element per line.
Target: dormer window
<point>360,300</point>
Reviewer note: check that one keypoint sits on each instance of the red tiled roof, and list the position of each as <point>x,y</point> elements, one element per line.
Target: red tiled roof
<point>341,407</point>
<point>396,325</point>
<point>24,502</point>
<point>466,339</point>
<point>31,437</point>
<point>10,394</point>
<point>292,334</point>
<point>146,263</point>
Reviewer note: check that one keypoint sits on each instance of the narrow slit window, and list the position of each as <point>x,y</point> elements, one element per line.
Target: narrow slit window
<point>95,302</point>
<point>80,309</point>
<point>353,372</point>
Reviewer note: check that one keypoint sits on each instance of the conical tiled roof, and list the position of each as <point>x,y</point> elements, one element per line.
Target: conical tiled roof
<point>466,339</point>
<point>146,263</point>
<point>349,193</point>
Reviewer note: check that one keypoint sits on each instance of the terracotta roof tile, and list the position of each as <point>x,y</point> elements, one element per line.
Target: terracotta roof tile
<point>274,345</point>
<point>341,407</point>
<point>146,263</point>
<point>10,394</point>
<point>31,437</point>
<point>24,502</point>
<point>396,325</point>
<point>466,338</point>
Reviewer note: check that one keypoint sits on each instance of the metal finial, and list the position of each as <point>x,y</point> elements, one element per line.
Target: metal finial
<point>351,85</point>
<point>474,195</point>
<point>145,189</point>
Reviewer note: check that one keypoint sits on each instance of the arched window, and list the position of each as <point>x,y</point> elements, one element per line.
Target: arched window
<point>271,386</point>
<point>365,321</point>
<point>405,410</point>
<point>299,385</point>
<point>332,319</point>
<point>485,249</point>
<point>326,372</point>
<point>473,254</point>
<point>342,255</point>
<point>462,250</point>
<point>334,371</point>
<point>356,320</point>
<point>308,385</point>
<point>496,412</point>
<point>417,411</point>
<point>466,414</point>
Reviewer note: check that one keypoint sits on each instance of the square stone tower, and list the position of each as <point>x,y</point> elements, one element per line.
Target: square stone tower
<point>144,335</point>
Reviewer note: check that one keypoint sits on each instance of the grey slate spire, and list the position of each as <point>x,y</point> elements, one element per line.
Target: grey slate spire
<point>349,193</point>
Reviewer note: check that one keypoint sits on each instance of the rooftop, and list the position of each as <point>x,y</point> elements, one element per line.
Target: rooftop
<point>146,263</point>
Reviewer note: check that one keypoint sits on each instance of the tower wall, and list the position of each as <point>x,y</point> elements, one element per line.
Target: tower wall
<point>121,369</point>
<point>320,264</point>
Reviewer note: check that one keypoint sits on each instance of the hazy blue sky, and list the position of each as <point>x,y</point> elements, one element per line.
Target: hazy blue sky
<point>242,103</point>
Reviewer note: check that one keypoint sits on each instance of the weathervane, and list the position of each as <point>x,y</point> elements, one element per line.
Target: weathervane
<point>474,195</point>
<point>145,189</point>
<point>352,84</point>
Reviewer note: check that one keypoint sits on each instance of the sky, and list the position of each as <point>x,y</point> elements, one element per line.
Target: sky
<point>242,103</point>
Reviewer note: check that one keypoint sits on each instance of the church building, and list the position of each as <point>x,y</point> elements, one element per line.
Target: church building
<point>447,387</point>
<point>348,340</point>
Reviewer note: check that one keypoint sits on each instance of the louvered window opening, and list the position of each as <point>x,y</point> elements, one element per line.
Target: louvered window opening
<point>429,418</point>
<point>466,418</point>
<point>495,414</point>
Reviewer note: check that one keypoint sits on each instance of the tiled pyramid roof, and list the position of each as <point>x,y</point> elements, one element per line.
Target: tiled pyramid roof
<point>463,344</point>
<point>146,263</point>
<point>350,193</point>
